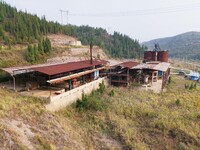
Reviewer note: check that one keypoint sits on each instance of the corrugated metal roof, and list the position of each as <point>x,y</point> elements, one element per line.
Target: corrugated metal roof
<point>161,66</point>
<point>79,64</point>
<point>129,64</point>
<point>71,66</point>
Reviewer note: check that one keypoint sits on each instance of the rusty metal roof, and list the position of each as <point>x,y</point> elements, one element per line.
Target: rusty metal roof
<point>129,64</point>
<point>47,68</point>
<point>161,66</point>
<point>71,66</point>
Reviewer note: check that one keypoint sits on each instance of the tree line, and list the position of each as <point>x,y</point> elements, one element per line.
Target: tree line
<point>18,27</point>
<point>35,52</point>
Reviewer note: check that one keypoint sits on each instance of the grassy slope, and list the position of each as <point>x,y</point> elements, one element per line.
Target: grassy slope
<point>130,119</point>
<point>16,56</point>
<point>145,120</point>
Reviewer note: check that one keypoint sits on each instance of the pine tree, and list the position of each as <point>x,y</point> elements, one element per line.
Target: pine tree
<point>36,53</point>
<point>47,45</point>
<point>30,54</point>
<point>40,47</point>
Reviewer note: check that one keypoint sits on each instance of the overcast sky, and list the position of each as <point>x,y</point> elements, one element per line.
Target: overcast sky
<point>140,19</point>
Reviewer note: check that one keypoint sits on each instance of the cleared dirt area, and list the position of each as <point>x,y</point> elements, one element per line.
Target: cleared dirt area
<point>61,39</point>
<point>67,49</point>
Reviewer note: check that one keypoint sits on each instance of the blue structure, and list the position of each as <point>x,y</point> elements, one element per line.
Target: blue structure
<point>194,75</point>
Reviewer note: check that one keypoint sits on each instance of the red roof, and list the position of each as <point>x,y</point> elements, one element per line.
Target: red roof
<point>71,66</point>
<point>129,64</point>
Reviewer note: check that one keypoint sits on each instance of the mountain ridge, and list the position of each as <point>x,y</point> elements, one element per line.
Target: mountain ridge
<point>185,45</point>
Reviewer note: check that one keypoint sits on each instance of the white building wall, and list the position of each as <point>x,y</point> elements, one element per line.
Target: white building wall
<point>67,98</point>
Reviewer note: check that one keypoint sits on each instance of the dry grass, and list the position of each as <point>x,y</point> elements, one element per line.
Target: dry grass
<point>144,120</point>
<point>130,119</point>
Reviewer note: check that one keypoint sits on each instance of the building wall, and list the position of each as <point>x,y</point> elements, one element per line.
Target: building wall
<point>67,98</point>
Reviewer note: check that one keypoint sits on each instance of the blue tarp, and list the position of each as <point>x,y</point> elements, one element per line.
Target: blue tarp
<point>194,75</point>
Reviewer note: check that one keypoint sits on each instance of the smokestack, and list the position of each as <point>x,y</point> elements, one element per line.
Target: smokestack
<point>91,46</point>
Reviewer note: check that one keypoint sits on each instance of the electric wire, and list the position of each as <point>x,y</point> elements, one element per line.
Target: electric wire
<point>172,9</point>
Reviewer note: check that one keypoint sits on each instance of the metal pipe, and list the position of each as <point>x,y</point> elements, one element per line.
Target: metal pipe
<point>91,46</point>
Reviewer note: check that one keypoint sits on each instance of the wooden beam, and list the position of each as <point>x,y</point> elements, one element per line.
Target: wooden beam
<point>76,75</point>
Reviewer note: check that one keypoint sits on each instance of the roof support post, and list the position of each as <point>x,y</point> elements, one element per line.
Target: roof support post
<point>14,85</point>
<point>127,77</point>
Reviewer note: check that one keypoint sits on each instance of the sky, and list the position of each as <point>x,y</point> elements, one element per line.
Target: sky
<point>143,20</point>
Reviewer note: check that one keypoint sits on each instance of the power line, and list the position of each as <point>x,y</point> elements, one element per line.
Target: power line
<point>172,9</point>
<point>67,13</point>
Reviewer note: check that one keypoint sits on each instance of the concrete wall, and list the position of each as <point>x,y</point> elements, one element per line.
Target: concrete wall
<point>67,98</point>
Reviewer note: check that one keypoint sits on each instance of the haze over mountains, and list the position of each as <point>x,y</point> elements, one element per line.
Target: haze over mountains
<point>186,45</point>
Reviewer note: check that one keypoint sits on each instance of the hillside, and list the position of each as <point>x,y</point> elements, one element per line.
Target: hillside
<point>126,119</point>
<point>17,27</point>
<point>186,45</point>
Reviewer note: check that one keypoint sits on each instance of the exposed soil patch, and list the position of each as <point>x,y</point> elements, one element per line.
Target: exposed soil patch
<point>22,130</point>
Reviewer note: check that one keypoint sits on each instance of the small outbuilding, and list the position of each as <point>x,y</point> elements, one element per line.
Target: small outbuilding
<point>121,74</point>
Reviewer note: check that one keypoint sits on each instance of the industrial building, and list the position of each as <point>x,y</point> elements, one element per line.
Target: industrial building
<point>121,74</point>
<point>155,68</point>
<point>153,73</point>
<point>66,76</point>
<point>61,84</point>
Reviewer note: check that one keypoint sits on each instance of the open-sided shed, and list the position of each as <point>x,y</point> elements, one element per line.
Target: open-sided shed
<point>36,75</point>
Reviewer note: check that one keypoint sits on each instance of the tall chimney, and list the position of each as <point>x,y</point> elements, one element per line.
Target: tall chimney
<point>91,46</point>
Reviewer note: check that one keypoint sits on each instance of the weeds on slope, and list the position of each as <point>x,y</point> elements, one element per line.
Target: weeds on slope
<point>144,120</point>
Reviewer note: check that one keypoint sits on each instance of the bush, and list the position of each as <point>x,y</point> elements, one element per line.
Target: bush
<point>195,85</point>
<point>111,93</point>
<point>178,102</point>
<point>170,80</point>
<point>90,103</point>
<point>101,88</point>
<point>186,86</point>
<point>191,86</point>
<point>44,144</point>
<point>81,104</point>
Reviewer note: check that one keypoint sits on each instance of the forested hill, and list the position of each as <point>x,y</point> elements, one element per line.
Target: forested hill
<point>17,27</point>
<point>186,45</point>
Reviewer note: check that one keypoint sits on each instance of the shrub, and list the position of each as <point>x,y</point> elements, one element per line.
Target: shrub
<point>111,93</point>
<point>195,85</point>
<point>81,104</point>
<point>170,80</point>
<point>186,86</point>
<point>43,144</point>
<point>89,103</point>
<point>177,102</point>
<point>191,86</point>
<point>101,87</point>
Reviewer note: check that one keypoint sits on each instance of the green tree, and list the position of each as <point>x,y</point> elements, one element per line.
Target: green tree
<point>40,47</point>
<point>47,45</point>
<point>30,57</point>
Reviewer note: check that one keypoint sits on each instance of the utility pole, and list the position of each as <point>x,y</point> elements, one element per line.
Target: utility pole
<point>67,16</point>
<point>67,13</point>
<point>61,11</point>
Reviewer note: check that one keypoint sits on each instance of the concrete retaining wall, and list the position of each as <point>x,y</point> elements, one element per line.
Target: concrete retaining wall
<point>67,98</point>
